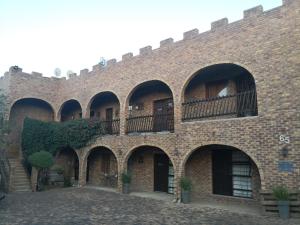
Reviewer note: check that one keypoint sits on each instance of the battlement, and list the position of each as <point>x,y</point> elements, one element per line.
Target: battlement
<point>221,24</point>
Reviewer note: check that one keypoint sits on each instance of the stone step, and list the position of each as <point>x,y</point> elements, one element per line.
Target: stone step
<point>20,179</point>
<point>23,186</point>
<point>23,190</point>
<point>21,182</point>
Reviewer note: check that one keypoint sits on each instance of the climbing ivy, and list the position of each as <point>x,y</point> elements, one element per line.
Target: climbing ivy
<point>52,136</point>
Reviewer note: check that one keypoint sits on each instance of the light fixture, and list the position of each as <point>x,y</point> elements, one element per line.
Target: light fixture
<point>284,152</point>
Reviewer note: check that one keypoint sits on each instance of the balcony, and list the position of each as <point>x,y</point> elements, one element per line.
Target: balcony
<point>150,123</point>
<point>239,105</point>
<point>108,127</point>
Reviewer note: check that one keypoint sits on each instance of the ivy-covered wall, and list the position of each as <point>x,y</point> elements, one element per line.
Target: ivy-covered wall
<point>52,136</point>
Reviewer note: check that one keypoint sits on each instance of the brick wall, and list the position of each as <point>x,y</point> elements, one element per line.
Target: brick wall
<point>265,43</point>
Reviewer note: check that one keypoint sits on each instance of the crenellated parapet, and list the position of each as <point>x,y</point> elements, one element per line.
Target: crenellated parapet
<point>222,24</point>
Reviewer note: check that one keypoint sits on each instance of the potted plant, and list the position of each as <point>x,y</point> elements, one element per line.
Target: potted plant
<point>126,179</point>
<point>186,186</point>
<point>281,194</point>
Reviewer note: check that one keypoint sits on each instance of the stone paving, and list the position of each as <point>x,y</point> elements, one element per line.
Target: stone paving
<point>87,206</point>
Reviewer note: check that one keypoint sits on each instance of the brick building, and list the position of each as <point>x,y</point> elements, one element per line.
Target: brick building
<point>219,107</point>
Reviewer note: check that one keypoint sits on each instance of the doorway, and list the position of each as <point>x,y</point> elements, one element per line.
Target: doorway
<point>163,111</point>
<point>163,174</point>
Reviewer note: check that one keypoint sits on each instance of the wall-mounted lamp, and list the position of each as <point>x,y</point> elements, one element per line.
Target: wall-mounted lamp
<point>284,152</point>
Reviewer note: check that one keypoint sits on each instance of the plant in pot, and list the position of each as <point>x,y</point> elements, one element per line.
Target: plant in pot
<point>281,194</point>
<point>186,187</point>
<point>126,179</point>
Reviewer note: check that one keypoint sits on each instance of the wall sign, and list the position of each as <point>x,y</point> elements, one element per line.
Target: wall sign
<point>285,166</point>
<point>284,139</point>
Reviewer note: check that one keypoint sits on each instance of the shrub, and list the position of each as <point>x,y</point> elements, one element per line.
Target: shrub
<point>41,160</point>
<point>281,193</point>
<point>126,178</point>
<point>185,184</point>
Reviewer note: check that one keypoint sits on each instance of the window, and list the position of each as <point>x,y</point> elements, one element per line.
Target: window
<point>241,175</point>
<point>171,178</point>
<point>232,173</point>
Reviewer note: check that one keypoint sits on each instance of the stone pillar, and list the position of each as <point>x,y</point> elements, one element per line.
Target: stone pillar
<point>82,171</point>
<point>123,116</point>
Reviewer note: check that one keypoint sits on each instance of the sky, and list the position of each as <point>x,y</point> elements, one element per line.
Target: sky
<point>41,35</point>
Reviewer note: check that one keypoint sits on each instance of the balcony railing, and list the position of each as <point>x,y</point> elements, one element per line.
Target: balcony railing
<point>110,126</point>
<point>239,105</point>
<point>150,123</point>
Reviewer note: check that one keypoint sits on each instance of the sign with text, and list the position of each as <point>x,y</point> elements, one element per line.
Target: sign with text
<point>285,166</point>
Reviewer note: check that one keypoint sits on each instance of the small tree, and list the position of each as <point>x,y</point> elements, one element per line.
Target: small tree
<point>41,161</point>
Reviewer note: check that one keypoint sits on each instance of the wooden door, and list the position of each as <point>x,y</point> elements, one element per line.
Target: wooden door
<point>161,172</point>
<point>109,118</point>
<point>222,172</point>
<point>163,111</point>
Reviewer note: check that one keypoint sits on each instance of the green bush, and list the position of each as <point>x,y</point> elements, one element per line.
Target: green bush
<point>41,160</point>
<point>281,193</point>
<point>185,184</point>
<point>126,178</point>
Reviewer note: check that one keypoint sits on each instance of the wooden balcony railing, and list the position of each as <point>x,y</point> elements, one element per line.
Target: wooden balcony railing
<point>150,123</point>
<point>240,105</point>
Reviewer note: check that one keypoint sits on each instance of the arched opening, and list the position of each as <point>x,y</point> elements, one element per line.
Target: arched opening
<point>151,170</point>
<point>220,91</point>
<point>105,108</point>
<point>218,170</point>
<point>150,108</point>
<point>70,110</point>
<point>102,168</point>
<point>28,107</point>
<point>67,160</point>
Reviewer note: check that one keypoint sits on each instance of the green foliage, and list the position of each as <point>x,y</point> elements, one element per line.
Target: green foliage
<point>281,193</point>
<point>3,122</point>
<point>186,184</point>
<point>52,136</point>
<point>126,178</point>
<point>41,160</point>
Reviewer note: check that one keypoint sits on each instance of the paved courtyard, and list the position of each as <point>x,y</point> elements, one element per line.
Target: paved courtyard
<point>88,206</point>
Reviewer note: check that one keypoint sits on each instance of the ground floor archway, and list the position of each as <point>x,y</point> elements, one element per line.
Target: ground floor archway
<point>68,160</point>
<point>218,171</point>
<point>102,168</point>
<point>151,170</point>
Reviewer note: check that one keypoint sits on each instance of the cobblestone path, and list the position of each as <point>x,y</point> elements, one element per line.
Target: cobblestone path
<point>85,206</point>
